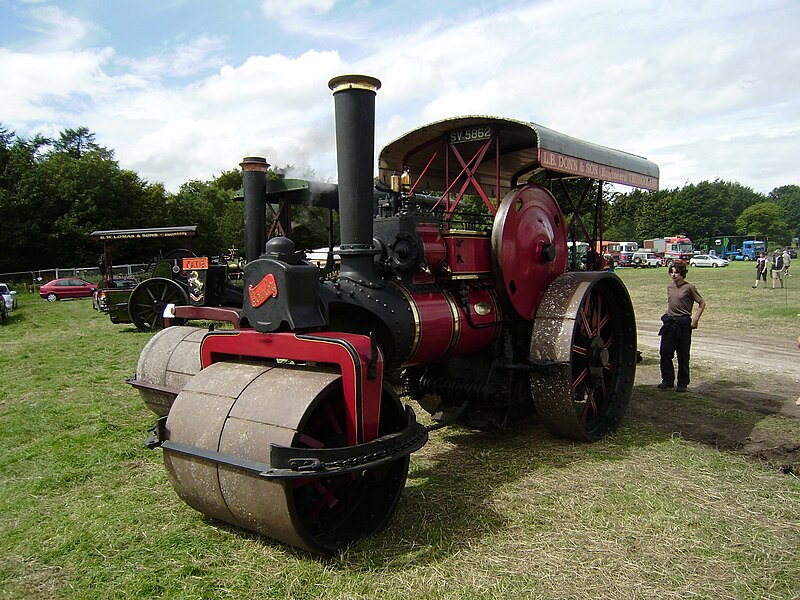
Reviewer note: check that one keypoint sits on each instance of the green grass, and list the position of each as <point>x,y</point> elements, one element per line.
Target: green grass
<point>87,512</point>
<point>731,301</point>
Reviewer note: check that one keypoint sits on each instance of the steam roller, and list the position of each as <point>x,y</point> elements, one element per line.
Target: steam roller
<point>241,409</point>
<point>457,284</point>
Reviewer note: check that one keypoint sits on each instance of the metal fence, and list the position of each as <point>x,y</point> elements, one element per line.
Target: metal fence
<point>36,278</point>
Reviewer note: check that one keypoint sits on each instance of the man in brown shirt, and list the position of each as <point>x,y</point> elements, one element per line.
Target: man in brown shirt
<point>676,331</point>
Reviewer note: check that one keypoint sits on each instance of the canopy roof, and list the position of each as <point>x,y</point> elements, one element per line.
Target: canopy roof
<point>524,148</point>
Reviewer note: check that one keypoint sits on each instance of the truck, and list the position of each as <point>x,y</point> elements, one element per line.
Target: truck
<point>670,249</point>
<point>621,252</point>
<point>749,251</point>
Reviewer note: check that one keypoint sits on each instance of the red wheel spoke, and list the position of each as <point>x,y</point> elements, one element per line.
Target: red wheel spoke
<point>310,441</point>
<point>587,314</point>
<point>586,326</point>
<point>598,310</point>
<point>579,378</point>
<point>326,499</point>
<point>579,350</point>
<point>333,420</point>
<point>606,318</point>
<point>299,483</point>
<point>590,409</point>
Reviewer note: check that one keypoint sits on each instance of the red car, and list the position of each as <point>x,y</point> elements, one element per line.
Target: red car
<point>68,287</point>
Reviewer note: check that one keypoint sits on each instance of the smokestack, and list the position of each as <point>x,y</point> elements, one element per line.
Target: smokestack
<point>354,105</point>
<point>254,180</point>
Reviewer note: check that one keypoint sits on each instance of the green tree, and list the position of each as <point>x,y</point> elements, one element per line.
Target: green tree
<point>213,209</point>
<point>620,217</point>
<point>53,195</point>
<point>765,219</point>
<point>697,210</point>
<point>78,142</point>
<point>788,197</point>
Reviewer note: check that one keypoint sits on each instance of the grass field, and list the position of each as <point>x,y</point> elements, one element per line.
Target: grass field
<point>87,512</point>
<point>732,302</point>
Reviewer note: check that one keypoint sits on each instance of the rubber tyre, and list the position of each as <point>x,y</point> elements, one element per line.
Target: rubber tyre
<point>51,297</point>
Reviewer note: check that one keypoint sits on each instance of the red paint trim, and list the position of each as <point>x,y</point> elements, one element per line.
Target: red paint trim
<point>207,313</point>
<point>351,352</point>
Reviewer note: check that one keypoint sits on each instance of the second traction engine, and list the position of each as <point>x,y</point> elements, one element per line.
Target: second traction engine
<point>291,425</point>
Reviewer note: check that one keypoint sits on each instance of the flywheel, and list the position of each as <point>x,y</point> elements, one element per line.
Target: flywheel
<point>240,410</point>
<point>584,348</point>
<point>529,247</point>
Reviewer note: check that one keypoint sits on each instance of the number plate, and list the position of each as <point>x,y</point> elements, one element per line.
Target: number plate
<point>195,264</point>
<point>471,134</point>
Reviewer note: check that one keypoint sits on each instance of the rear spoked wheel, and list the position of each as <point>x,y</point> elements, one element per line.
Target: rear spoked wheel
<point>584,339</point>
<point>148,299</point>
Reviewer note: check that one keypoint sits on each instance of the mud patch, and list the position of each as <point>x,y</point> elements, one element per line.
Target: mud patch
<point>760,424</point>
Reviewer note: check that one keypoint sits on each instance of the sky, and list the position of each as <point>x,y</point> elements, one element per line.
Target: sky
<point>182,90</point>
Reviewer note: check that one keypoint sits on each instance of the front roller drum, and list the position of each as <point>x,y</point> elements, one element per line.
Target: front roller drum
<point>240,409</point>
<point>170,359</point>
<point>584,350</point>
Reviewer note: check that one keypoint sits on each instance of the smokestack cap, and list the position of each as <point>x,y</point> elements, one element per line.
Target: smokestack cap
<point>354,82</point>
<point>254,163</point>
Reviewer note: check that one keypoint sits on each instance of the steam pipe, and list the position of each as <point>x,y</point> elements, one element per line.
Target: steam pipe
<point>254,180</point>
<point>354,106</point>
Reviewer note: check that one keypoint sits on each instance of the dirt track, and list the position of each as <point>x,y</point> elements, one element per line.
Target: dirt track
<point>753,377</point>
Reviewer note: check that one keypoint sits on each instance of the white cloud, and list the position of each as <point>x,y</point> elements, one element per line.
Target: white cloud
<point>706,89</point>
<point>57,30</point>
<point>40,86</point>
<point>273,106</point>
<point>646,79</point>
<point>197,56</point>
<point>287,9</point>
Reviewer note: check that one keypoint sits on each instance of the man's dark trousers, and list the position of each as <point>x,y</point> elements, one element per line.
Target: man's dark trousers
<point>676,338</point>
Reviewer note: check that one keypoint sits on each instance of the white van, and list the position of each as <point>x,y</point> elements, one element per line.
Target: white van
<point>645,258</point>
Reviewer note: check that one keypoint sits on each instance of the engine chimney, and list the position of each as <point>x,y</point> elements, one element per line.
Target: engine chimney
<point>254,182</point>
<point>354,105</point>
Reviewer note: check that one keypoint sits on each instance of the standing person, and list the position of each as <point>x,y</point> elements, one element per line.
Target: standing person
<point>761,269</point>
<point>676,331</point>
<point>776,268</point>
<point>787,260</point>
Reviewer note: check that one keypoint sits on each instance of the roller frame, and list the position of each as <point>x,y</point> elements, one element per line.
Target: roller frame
<point>358,356</point>
<point>300,463</point>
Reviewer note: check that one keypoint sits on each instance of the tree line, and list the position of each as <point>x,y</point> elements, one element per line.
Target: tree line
<point>55,192</point>
<point>705,210</point>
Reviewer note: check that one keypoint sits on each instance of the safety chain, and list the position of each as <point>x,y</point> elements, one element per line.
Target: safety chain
<point>355,461</point>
